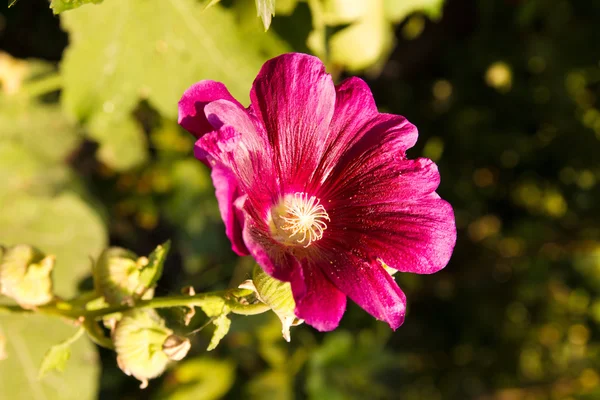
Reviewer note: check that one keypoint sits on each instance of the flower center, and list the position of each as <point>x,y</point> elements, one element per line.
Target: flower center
<point>298,220</point>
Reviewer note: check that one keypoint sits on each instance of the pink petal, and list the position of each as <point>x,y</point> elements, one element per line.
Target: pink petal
<point>193,101</point>
<point>318,302</point>
<point>294,98</point>
<point>270,255</point>
<point>369,286</point>
<point>354,117</point>
<point>416,237</point>
<point>372,179</point>
<point>413,237</point>
<point>227,192</point>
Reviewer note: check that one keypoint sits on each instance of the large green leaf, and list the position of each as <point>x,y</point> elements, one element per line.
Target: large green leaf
<point>64,226</point>
<point>122,140</point>
<point>28,339</point>
<point>21,170</point>
<point>122,52</point>
<point>35,139</point>
<point>41,128</point>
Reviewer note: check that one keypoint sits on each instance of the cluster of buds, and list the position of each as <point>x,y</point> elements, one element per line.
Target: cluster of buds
<point>25,275</point>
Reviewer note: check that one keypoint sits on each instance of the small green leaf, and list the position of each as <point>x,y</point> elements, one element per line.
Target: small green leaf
<point>56,358</point>
<point>59,6</point>
<point>12,3</point>
<point>152,271</point>
<point>265,10</point>
<point>222,325</point>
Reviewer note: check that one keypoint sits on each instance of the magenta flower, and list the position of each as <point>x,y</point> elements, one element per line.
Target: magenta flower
<point>314,183</point>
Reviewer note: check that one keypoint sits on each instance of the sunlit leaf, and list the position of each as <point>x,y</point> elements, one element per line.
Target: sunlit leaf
<point>123,52</point>
<point>275,294</point>
<point>152,271</point>
<point>122,141</point>
<point>64,226</point>
<point>222,325</point>
<point>59,6</point>
<point>364,42</point>
<point>265,10</point>
<point>28,339</point>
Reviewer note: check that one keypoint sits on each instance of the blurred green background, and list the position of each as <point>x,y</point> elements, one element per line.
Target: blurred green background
<point>505,95</point>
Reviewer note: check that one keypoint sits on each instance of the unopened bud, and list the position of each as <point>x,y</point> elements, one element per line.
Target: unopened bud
<point>123,278</point>
<point>139,339</point>
<point>25,275</point>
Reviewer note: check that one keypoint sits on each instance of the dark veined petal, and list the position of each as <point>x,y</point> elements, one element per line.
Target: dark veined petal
<point>193,101</point>
<point>294,98</point>
<point>368,284</point>
<point>355,116</point>
<point>417,238</point>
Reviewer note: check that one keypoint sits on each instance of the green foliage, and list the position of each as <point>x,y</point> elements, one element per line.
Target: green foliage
<point>123,144</point>
<point>265,10</point>
<point>64,226</point>
<point>28,339</point>
<point>365,36</point>
<point>152,271</point>
<point>276,295</point>
<point>59,6</point>
<point>222,325</point>
<point>202,378</point>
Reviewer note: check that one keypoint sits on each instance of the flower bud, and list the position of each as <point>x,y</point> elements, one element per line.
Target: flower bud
<point>122,277</point>
<point>176,347</point>
<point>144,345</point>
<point>25,275</point>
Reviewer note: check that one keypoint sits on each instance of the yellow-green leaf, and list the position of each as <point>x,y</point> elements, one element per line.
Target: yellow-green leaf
<point>56,358</point>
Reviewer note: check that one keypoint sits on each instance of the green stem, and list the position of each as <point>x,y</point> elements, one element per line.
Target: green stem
<point>96,334</point>
<point>229,297</point>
